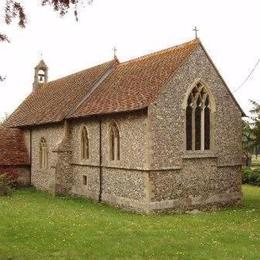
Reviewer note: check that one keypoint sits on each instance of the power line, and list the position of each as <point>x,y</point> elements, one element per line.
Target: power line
<point>248,77</point>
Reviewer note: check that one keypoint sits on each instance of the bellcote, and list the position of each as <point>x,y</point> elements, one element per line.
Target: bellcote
<point>40,75</point>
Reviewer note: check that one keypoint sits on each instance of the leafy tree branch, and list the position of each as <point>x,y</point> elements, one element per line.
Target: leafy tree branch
<point>14,9</point>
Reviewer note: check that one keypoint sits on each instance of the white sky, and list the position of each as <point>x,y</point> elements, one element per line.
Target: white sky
<point>228,29</point>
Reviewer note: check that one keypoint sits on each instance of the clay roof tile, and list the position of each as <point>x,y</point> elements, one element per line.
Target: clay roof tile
<point>131,85</point>
<point>135,84</point>
<point>13,151</point>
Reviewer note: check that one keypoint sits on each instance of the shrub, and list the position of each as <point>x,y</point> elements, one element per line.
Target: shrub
<point>8,181</point>
<point>246,174</point>
<point>251,176</point>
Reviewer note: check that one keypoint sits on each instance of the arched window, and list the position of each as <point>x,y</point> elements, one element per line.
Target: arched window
<point>114,142</point>
<point>207,124</point>
<point>43,153</point>
<point>198,116</point>
<point>41,76</point>
<point>84,144</point>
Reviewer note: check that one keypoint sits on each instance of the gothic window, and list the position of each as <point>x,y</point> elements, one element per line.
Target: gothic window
<point>189,127</point>
<point>114,142</point>
<point>84,144</point>
<point>198,128</point>
<point>207,124</point>
<point>198,116</point>
<point>43,153</point>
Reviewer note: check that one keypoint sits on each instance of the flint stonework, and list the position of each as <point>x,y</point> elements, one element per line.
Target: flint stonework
<point>155,172</point>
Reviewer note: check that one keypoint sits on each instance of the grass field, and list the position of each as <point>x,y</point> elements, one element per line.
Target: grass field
<point>35,225</point>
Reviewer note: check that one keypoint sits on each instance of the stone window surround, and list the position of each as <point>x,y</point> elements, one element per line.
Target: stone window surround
<point>200,153</point>
<point>117,151</point>
<point>43,154</point>
<point>114,141</point>
<point>84,143</point>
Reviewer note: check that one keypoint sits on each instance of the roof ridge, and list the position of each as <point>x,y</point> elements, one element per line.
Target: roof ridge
<point>95,85</point>
<point>160,51</point>
<point>78,72</point>
<point>101,91</point>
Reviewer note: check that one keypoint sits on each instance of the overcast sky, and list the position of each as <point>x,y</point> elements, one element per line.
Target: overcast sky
<point>229,30</point>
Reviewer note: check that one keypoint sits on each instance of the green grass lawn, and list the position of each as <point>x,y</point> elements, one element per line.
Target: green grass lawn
<point>35,225</point>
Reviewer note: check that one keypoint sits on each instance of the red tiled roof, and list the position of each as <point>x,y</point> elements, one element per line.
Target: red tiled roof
<point>53,101</point>
<point>135,84</point>
<point>131,85</point>
<point>12,148</point>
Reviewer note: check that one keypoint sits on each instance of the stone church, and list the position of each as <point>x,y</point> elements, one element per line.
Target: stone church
<point>157,133</point>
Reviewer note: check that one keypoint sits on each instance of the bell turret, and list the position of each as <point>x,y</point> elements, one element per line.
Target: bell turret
<point>40,75</point>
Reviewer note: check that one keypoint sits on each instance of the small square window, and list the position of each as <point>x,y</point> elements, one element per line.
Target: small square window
<point>85,180</point>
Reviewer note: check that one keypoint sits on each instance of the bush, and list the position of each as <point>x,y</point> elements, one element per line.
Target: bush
<point>8,181</point>
<point>251,176</point>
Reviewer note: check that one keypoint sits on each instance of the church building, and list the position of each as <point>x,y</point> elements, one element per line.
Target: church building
<point>157,133</point>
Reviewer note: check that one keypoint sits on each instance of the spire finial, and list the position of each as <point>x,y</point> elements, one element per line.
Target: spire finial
<point>195,29</point>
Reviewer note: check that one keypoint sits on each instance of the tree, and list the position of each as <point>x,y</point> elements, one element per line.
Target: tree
<point>248,142</point>
<point>256,124</point>
<point>14,9</point>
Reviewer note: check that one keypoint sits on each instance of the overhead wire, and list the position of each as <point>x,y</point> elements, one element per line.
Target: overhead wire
<point>248,77</point>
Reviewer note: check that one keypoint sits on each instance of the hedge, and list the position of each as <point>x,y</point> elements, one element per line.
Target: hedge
<point>251,176</point>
